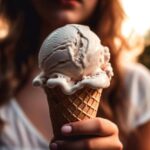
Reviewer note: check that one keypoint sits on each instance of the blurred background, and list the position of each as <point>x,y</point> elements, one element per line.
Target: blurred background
<point>136,28</point>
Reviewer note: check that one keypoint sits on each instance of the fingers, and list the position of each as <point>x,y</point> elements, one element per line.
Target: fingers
<point>97,126</point>
<point>92,134</point>
<point>106,143</point>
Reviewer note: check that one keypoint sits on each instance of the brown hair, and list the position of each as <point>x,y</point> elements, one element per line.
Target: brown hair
<point>20,46</point>
<point>108,27</point>
<point>105,21</point>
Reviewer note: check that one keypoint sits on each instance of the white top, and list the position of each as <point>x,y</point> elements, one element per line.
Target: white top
<point>138,88</point>
<point>20,134</point>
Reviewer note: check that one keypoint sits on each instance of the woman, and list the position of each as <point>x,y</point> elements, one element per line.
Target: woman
<point>25,117</point>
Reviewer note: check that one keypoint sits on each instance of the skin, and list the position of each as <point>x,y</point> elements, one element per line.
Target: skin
<point>54,13</point>
<point>139,138</point>
<point>57,12</point>
<point>102,134</point>
<point>99,134</point>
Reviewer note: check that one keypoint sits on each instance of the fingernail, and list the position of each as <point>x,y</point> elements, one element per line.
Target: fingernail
<point>66,129</point>
<point>53,146</point>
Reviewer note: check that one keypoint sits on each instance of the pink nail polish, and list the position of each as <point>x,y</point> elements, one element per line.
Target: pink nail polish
<point>53,146</point>
<point>66,129</point>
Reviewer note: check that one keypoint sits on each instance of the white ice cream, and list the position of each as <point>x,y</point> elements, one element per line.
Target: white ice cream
<point>72,57</point>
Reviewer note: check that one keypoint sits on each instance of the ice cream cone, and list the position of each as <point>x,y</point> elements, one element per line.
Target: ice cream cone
<point>70,58</point>
<point>69,108</point>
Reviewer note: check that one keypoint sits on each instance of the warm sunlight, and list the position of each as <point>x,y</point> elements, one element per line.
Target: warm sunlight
<point>139,16</point>
<point>4,29</point>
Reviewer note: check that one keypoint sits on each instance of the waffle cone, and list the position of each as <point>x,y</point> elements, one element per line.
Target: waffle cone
<point>69,108</point>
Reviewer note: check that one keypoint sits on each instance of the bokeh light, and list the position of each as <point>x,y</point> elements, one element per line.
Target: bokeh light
<point>4,28</point>
<point>138,12</point>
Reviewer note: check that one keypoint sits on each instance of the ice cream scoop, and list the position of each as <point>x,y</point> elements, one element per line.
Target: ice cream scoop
<point>75,69</point>
<point>72,57</point>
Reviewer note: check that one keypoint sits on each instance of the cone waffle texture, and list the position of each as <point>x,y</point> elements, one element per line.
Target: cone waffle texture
<point>68,108</point>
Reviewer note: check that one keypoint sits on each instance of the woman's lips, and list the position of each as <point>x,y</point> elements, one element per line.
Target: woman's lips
<point>69,2</point>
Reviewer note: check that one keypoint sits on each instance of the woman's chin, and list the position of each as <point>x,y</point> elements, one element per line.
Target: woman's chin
<point>61,18</point>
<point>67,17</point>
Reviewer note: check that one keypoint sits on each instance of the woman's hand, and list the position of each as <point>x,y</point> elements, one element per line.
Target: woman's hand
<point>91,134</point>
